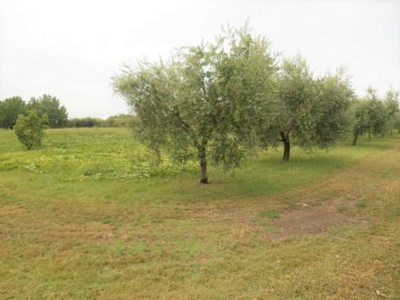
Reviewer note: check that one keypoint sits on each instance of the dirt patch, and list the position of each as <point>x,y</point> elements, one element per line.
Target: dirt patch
<point>315,219</point>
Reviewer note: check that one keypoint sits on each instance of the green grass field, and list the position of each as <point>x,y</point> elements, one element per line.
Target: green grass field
<point>91,216</point>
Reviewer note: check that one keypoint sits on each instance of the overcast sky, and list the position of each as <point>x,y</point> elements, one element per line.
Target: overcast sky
<point>70,49</point>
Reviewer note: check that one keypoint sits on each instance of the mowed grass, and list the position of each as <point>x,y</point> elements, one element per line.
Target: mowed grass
<point>91,216</point>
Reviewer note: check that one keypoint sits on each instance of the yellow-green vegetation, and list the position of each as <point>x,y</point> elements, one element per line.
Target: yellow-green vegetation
<point>88,154</point>
<point>90,215</point>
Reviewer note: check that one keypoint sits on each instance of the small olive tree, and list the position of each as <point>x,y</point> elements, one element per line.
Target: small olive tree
<point>312,112</point>
<point>297,96</point>
<point>30,129</point>
<point>391,104</point>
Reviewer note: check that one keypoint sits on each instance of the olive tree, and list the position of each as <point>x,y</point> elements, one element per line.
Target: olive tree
<point>296,93</point>
<point>360,119</point>
<point>374,116</point>
<point>209,98</point>
<point>391,105</point>
<point>311,111</point>
<point>396,122</point>
<point>376,113</point>
<point>331,110</point>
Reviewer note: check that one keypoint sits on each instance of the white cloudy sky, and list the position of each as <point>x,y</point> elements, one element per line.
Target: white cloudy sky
<point>71,48</point>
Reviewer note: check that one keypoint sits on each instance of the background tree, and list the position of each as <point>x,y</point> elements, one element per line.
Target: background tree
<point>331,110</point>
<point>297,96</point>
<point>396,122</point>
<point>30,129</point>
<point>391,105</point>
<point>361,122</point>
<point>207,98</point>
<point>376,113</point>
<point>312,112</point>
<point>57,115</point>
<point>121,120</point>
<point>10,108</point>
<point>374,116</point>
<point>88,122</point>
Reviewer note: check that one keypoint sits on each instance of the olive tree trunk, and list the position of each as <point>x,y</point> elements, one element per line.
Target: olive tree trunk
<point>203,163</point>
<point>286,145</point>
<point>355,139</point>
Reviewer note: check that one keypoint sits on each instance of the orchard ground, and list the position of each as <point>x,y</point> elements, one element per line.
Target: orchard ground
<point>90,215</point>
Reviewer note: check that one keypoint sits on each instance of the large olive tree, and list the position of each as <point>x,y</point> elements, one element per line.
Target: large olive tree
<point>210,98</point>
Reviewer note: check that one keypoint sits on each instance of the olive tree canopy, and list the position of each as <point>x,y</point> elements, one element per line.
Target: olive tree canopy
<point>210,98</point>
<point>313,112</point>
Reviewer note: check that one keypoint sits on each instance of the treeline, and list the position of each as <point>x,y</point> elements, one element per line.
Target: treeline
<point>233,95</point>
<point>375,116</point>
<point>121,120</point>
<point>46,106</point>
<point>54,114</point>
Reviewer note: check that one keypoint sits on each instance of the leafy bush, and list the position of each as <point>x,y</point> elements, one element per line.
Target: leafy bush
<point>30,129</point>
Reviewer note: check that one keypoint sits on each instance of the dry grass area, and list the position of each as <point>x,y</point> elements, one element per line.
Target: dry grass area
<point>334,236</point>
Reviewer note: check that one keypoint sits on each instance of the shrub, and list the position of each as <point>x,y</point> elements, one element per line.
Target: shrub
<point>30,129</point>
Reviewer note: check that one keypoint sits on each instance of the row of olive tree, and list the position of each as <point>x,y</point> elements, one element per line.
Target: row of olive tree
<point>225,97</point>
<point>46,105</point>
<point>375,116</point>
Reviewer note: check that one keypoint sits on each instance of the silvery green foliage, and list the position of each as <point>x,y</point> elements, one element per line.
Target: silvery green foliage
<point>391,104</point>
<point>211,98</point>
<point>313,112</point>
<point>334,97</point>
<point>373,115</point>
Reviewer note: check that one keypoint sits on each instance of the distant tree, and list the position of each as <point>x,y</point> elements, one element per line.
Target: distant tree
<point>297,97</point>
<point>374,116</point>
<point>396,122</point>
<point>10,108</point>
<point>333,120</point>
<point>377,117</point>
<point>57,115</point>
<point>121,120</point>
<point>391,105</point>
<point>361,122</point>
<point>209,97</point>
<point>30,129</point>
<point>85,122</point>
